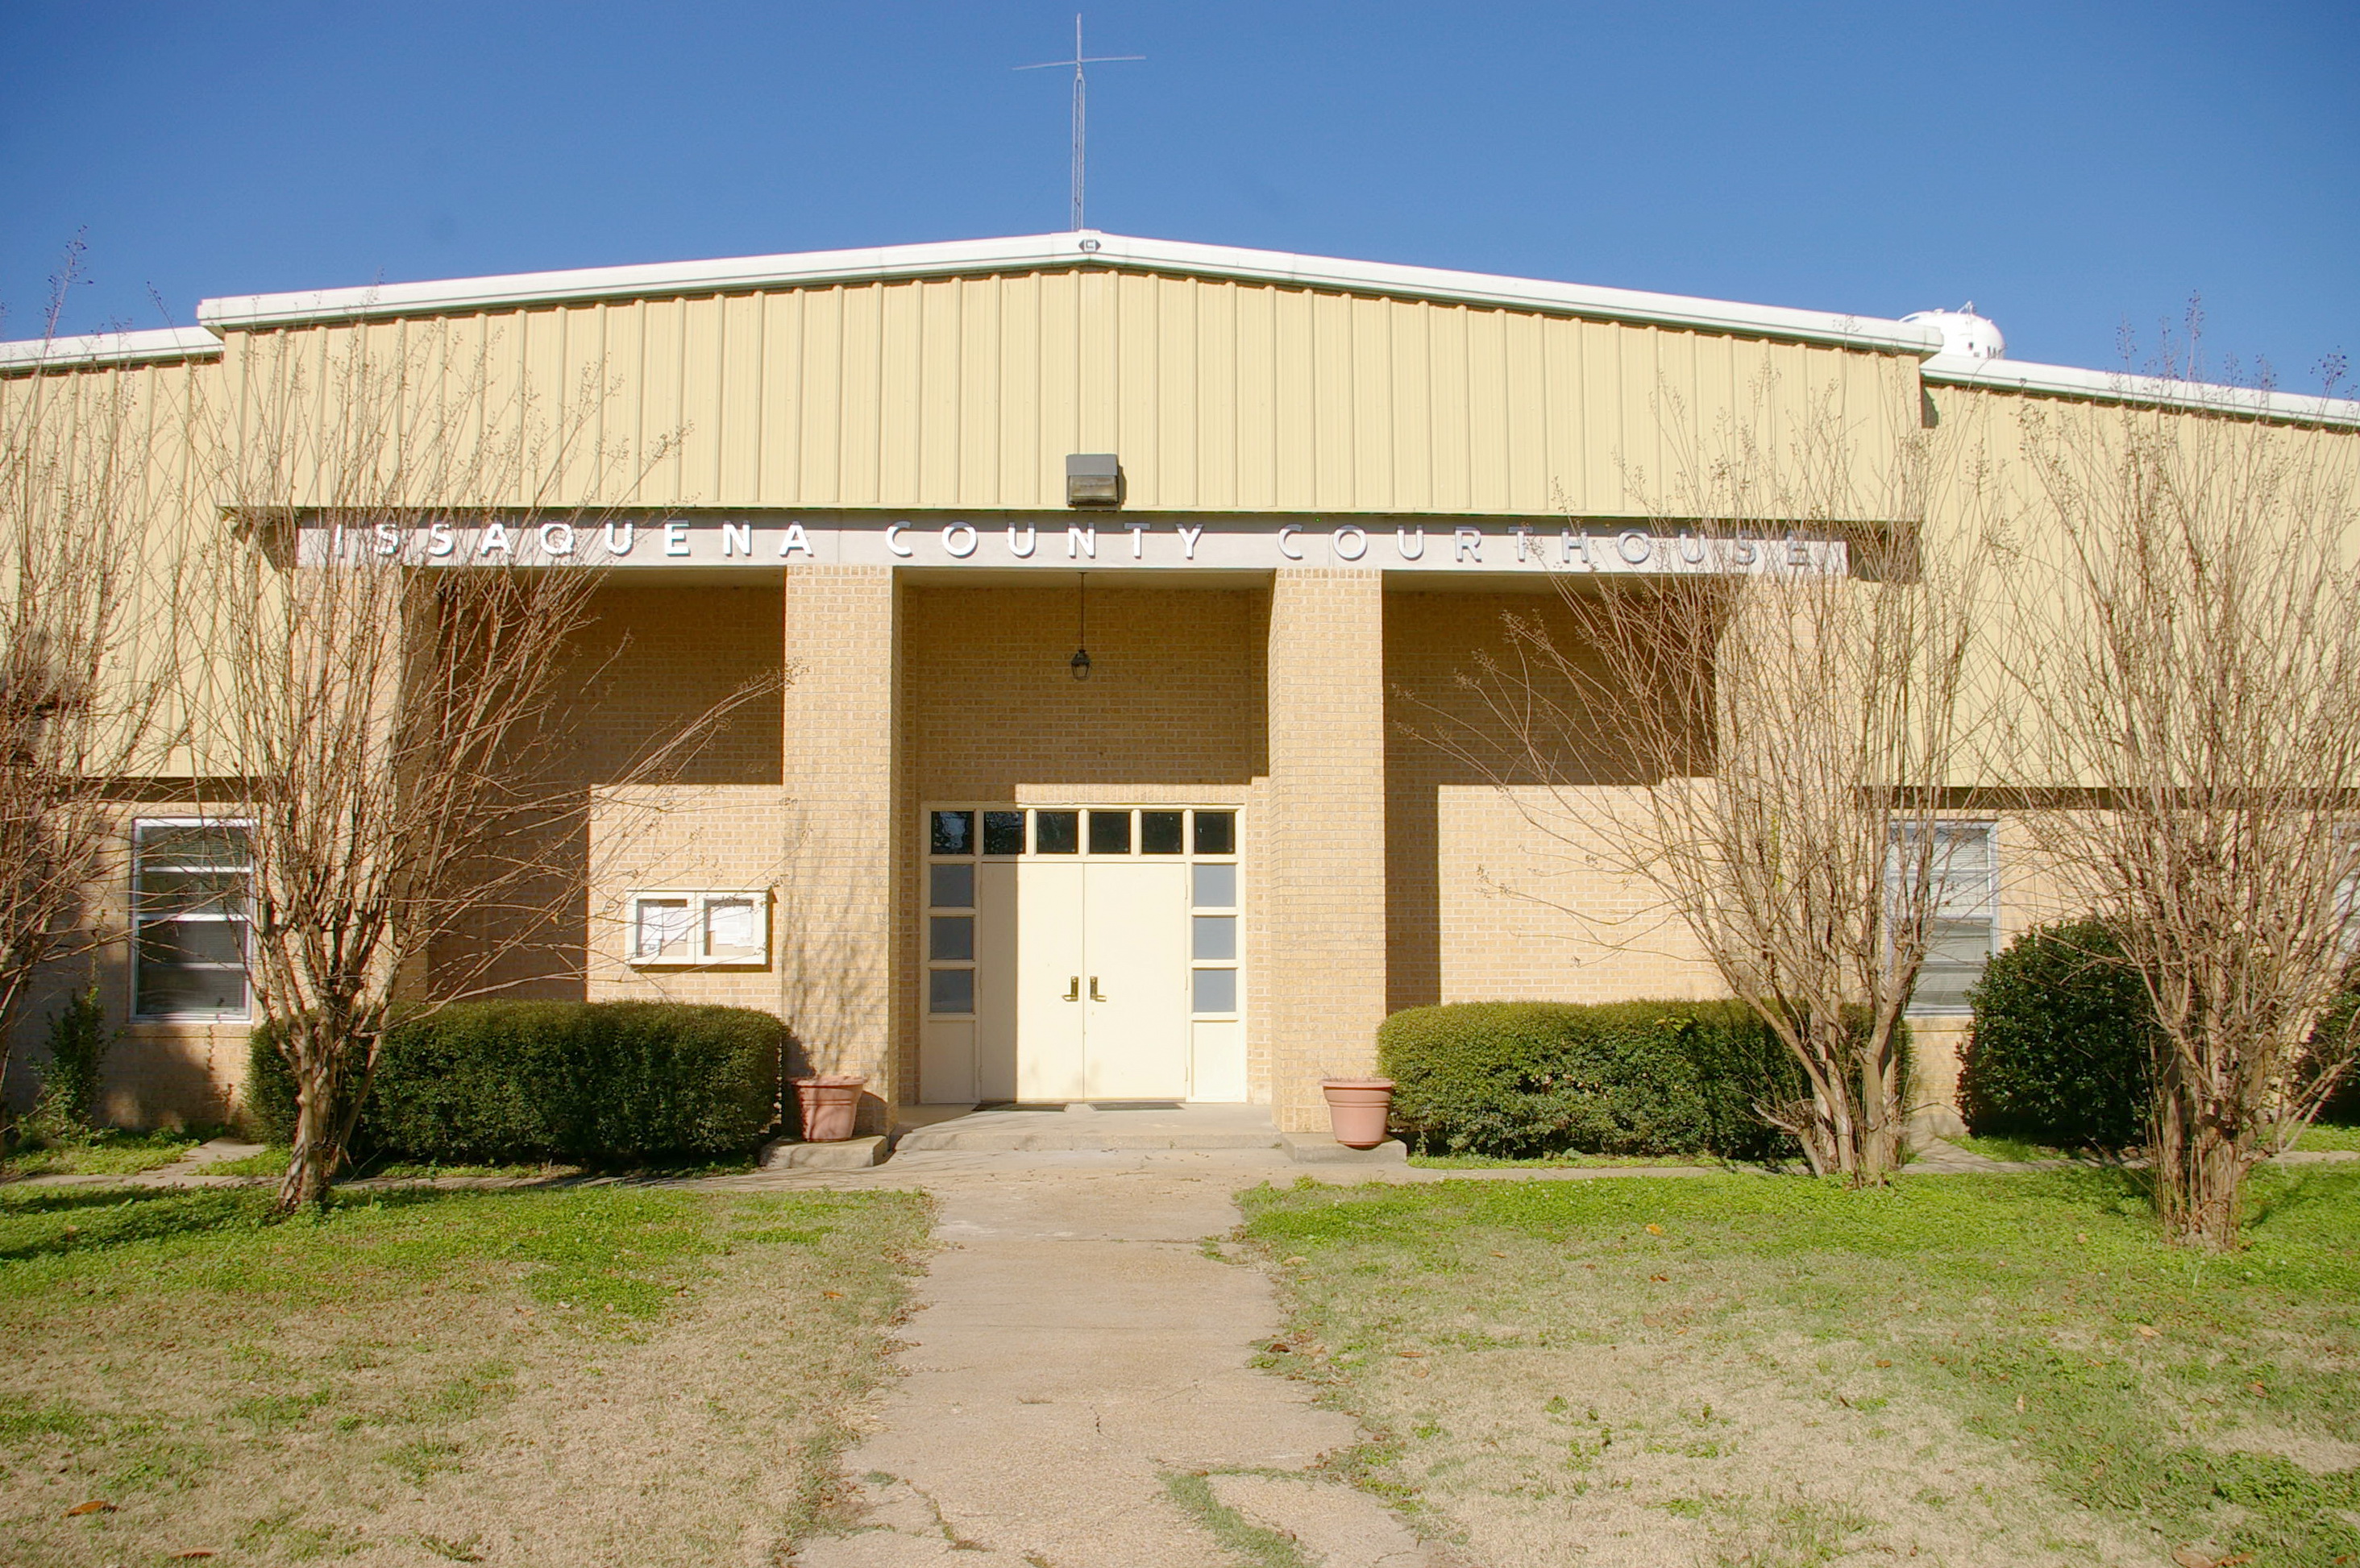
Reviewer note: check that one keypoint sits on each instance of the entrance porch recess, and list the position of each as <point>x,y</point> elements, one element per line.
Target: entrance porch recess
<point>1082,952</point>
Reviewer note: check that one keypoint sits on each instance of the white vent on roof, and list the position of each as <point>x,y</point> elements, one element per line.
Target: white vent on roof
<point>1966,336</point>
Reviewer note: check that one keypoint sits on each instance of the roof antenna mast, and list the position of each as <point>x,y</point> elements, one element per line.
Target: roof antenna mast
<point>1081,93</point>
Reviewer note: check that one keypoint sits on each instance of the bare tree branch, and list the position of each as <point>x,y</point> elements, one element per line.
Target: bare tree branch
<point>2186,642</point>
<point>1790,721</point>
<point>399,729</point>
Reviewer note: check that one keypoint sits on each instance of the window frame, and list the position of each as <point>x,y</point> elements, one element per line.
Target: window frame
<point>141,921</point>
<point>1987,906</point>
<point>699,954</point>
<point>1187,857</point>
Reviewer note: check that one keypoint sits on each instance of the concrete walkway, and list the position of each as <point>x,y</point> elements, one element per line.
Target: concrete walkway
<point>1079,1391</point>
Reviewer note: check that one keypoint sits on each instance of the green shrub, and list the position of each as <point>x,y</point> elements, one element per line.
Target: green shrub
<point>589,1083</point>
<point>2334,1033</point>
<point>1520,1079</point>
<point>78,1041</point>
<point>2061,1046</point>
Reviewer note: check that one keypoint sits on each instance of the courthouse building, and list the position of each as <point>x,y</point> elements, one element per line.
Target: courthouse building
<point>1122,584</point>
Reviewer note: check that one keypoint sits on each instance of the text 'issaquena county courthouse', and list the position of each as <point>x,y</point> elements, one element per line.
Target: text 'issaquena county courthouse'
<point>1281,500</point>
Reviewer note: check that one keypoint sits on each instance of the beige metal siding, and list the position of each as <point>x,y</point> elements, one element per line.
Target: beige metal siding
<point>1218,395</point>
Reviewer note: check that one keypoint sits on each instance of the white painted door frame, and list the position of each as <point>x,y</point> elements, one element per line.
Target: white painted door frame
<point>1081,960</point>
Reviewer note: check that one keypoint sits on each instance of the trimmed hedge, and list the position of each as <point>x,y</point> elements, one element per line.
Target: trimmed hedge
<point>1520,1079</point>
<point>2343,1107</point>
<point>2062,1044</point>
<point>584,1083</point>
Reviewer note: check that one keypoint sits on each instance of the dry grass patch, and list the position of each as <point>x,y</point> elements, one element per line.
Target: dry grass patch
<point>599,1376</point>
<point>1732,1370</point>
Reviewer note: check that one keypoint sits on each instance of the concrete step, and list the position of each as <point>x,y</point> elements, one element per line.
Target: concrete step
<point>1107,1126</point>
<point>850,1154</point>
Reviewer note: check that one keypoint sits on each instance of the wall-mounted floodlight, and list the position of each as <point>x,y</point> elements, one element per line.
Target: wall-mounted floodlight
<point>1093,479</point>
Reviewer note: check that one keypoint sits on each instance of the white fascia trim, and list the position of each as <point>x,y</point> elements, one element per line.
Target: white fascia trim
<point>1089,249</point>
<point>2120,386</point>
<point>109,348</point>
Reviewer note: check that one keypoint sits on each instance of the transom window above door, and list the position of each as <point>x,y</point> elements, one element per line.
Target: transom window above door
<point>1087,832</point>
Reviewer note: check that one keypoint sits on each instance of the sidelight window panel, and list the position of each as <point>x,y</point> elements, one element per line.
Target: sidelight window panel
<point>950,991</point>
<point>951,887</point>
<point>1216,991</point>
<point>951,936</point>
<point>1216,936</point>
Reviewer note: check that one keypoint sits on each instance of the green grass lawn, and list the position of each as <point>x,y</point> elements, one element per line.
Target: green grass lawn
<point>107,1152</point>
<point>1729,1369</point>
<point>506,1377</point>
<point>1559,1162</point>
<point>2320,1138</point>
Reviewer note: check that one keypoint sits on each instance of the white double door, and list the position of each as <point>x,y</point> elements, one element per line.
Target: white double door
<point>1082,980</point>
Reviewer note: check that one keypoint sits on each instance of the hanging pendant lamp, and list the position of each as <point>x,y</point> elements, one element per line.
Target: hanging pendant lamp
<point>1080,663</point>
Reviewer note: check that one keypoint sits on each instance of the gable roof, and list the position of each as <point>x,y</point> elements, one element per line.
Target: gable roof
<point>1091,249</point>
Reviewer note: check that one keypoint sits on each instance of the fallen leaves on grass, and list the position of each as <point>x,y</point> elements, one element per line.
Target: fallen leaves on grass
<point>96,1506</point>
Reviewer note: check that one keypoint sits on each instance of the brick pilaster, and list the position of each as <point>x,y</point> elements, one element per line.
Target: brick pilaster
<point>841,850</point>
<point>1324,827</point>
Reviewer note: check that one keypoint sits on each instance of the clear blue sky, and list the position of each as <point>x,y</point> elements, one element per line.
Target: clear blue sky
<point>2071,168</point>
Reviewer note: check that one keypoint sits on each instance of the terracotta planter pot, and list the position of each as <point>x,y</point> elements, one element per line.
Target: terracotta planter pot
<point>831,1106</point>
<point>1358,1109</point>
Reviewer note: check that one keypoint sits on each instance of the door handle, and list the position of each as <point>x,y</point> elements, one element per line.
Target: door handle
<point>1094,990</point>
<point>1073,987</point>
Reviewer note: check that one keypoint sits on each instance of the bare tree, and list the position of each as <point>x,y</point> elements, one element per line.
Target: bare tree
<point>1786,693</point>
<point>85,639</point>
<point>2187,642</point>
<point>390,689</point>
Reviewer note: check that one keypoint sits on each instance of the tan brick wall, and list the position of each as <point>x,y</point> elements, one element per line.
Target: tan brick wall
<point>161,1073</point>
<point>1492,875</point>
<point>1324,981</point>
<point>1497,893</point>
<point>1174,698</point>
<point>1173,710</point>
<point>702,837</point>
<point>1275,699</point>
<point>1528,913</point>
<point>657,658</point>
<point>841,852</point>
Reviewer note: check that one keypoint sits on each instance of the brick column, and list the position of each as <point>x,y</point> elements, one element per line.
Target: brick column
<point>840,853</point>
<point>1324,832</point>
